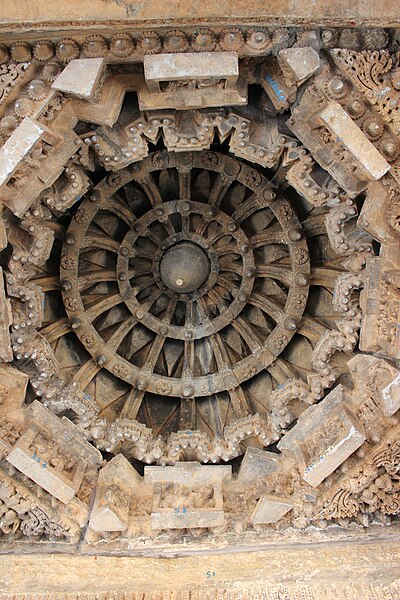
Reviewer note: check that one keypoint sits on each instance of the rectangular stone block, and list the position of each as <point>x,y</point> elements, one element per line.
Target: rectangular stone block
<point>188,472</point>
<point>301,63</point>
<point>199,65</point>
<point>80,77</point>
<point>188,495</point>
<point>191,80</point>
<point>186,518</point>
<point>257,463</point>
<point>391,397</point>
<point>18,146</point>
<point>325,436</point>
<point>53,453</point>
<point>64,431</point>
<point>270,509</point>
<point>342,126</point>
<point>349,439</point>
<point>36,468</point>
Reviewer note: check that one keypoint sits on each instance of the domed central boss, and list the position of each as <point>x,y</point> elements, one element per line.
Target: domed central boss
<point>184,267</point>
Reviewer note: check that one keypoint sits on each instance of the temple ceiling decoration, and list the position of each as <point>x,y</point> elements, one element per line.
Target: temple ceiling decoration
<point>200,245</point>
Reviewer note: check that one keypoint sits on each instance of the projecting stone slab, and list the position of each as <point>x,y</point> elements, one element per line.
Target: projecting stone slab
<point>188,495</point>
<point>116,484</point>
<point>191,80</point>
<point>188,472</point>
<point>199,65</point>
<point>301,63</point>
<point>53,453</point>
<point>324,437</point>
<point>270,509</point>
<point>257,463</point>
<point>80,77</point>
<point>18,146</point>
<point>340,124</point>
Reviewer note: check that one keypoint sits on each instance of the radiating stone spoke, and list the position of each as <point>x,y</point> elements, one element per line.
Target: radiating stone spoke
<point>56,329</point>
<point>118,207</point>
<point>94,310</point>
<point>218,191</point>
<point>247,333</point>
<point>279,272</point>
<point>95,277</point>
<point>271,308</point>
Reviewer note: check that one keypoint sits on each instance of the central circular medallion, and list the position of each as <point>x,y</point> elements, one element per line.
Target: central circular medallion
<point>184,267</point>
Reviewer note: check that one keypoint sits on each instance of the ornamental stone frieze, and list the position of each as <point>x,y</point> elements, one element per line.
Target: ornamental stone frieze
<point>200,286</point>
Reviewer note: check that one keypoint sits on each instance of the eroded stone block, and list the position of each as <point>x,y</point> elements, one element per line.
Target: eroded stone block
<point>117,482</point>
<point>18,146</point>
<point>80,77</point>
<point>191,80</point>
<point>13,385</point>
<point>342,126</point>
<point>299,63</point>
<point>188,495</point>
<point>53,453</point>
<point>257,463</point>
<point>270,509</point>
<point>378,379</point>
<point>380,303</point>
<point>325,436</point>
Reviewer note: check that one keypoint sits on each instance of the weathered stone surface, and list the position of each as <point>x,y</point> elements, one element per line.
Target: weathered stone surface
<point>13,384</point>
<point>53,453</point>
<point>187,496</point>
<point>379,301</point>
<point>257,463</point>
<point>18,146</point>
<point>270,509</point>
<point>377,378</point>
<point>80,77</point>
<point>324,436</point>
<point>354,140</point>
<point>191,80</point>
<point>117,481</point>
<point>300,63</point>
<point>178,67</point>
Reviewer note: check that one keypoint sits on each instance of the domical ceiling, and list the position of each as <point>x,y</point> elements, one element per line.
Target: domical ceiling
<point>200,250</point>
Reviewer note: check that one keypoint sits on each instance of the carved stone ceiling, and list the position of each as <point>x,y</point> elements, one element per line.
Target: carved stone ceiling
<point>200,245</point>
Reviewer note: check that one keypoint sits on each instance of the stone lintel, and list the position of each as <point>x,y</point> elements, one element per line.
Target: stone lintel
<point>190,65</point>
<point>188,473</point>
<point>342,126</point>
<point>80,77</point>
